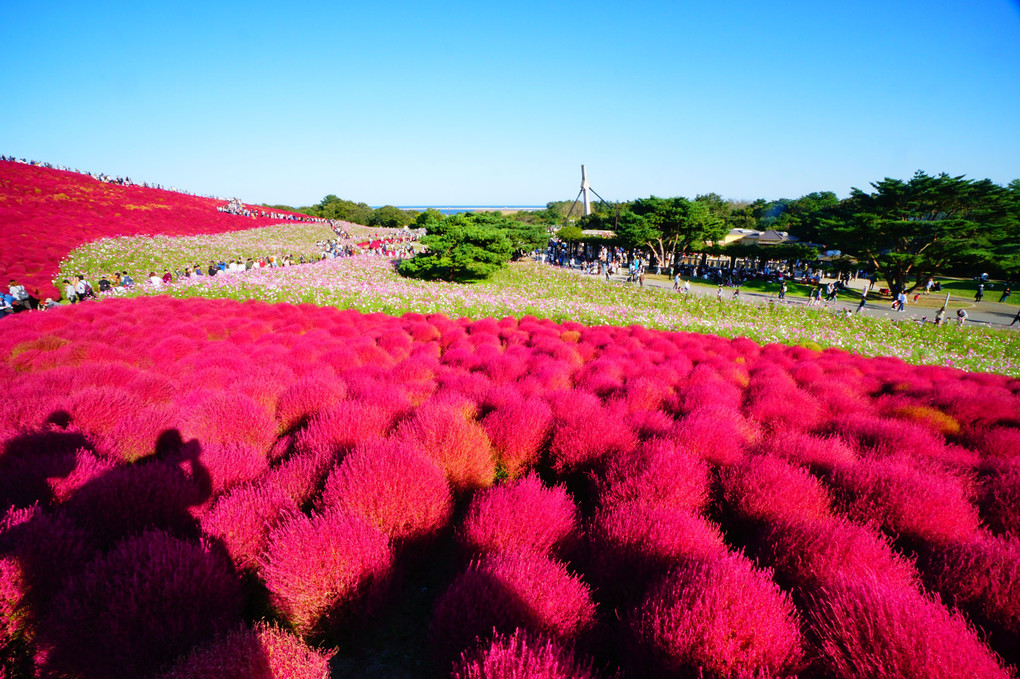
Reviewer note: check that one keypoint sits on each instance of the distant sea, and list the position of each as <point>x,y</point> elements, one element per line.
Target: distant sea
<point>454,209</point>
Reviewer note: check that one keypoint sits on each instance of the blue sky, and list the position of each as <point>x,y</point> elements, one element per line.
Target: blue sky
<point>500,103</point>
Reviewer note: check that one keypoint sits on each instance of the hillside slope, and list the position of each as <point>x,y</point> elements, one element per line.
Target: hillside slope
<point>45,213</point>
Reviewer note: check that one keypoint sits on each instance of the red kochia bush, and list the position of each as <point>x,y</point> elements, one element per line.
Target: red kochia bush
<point>873,629</point>
<point>37,552</point>
<point>820,453</point>
<point>265,652</point>
<point>324,569</point>
<point>723,618</point>
<point>242,519</point>
<point>907,498</point>
<point>522,515</point>
<point>339,428</point>
<point>715,433</point>
<point>504,591</point>
<point>518,428</point>
<point>393,487</point>
<point>983,577</point>
<point>809,553</point>
<point>138,607</point>
<point>128,500</point>
<point>585,431</point>
<point>762,488</point>
<point>307,396</point>
<point>225,417</point>
<point>521,656</point>
<point>452,439</point>
<point>632,544</point>
<point>1000,499</point>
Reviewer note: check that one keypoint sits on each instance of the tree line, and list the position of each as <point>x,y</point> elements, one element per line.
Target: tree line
<point>905,231</point>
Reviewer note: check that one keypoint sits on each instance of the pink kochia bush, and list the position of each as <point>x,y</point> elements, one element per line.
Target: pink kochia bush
<point>762,488</point>
<point>522,515</point>
<point>326,569</point>
<point>504,591</point>
<point>392,486</point>
<point>310,445</point>
<point>874,629</point>
<point>908,498</point>
<point>520,656</point>
<point>723,618</point>
<point>455,441</point>
<point>657,474</point>
<point>632,544</point>
<point>243,518</point>
<point>265,652</point>
<point>141,605</point>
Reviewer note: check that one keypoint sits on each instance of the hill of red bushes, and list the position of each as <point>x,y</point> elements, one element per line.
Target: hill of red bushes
<point>198,488</point>
<point>46,213</point>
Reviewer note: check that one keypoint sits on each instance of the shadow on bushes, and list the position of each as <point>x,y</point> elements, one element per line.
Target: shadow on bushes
<point>112,580</point>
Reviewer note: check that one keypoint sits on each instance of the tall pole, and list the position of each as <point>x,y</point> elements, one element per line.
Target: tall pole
<point>585,191</point>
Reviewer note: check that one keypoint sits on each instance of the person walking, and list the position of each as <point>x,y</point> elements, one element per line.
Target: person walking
<point>782,290</point>
<point>687,287</point>
<point>864,300</point>
<point>980,292</point>
<point>1016,319</point>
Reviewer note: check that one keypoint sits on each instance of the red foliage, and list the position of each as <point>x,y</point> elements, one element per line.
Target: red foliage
<point>393,487</point>
<point>656,474</point>
<point>764,488</point>
<point>585,432</point>
<point>820,453</point>
<point>1000,500</point>
<point>325,569</point>
<point>811,553</point>
<point>143,604</point>
<point>871,628</point>
<point>266,652</point>
<point>632,544</point>
<point>243,518</point>
<point>723,617</point>
<point>304,398</point>
<point>715,433</point>
<point>225,417</point>
<point>521,655</point>
<point>504,591</point>
<point>50,212</point>
<point>129,500</point>
<point>522,515</point>
<point>340,428</point>
<point>457,443</point>
<point>907,499</point>
<point>518,427</point>
<point>983,577</point>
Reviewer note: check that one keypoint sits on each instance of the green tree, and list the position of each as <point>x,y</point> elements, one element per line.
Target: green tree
<point>462,248</point>
<point>391,217</point>
<point>680,225</point>
<point>920,227</point>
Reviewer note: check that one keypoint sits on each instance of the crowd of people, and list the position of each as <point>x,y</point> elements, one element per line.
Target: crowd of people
<point>235,207</point>
<point>610,261</point>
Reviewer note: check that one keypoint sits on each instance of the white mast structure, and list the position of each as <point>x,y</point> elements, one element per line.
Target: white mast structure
<point>585,193</point>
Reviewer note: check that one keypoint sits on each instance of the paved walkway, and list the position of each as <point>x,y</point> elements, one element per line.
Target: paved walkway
<point>984,312</point>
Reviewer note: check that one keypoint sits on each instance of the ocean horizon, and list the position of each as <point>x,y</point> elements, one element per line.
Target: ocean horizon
<point>455,209</point>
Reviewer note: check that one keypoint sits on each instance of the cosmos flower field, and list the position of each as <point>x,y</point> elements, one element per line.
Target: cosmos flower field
<point>211,487</point>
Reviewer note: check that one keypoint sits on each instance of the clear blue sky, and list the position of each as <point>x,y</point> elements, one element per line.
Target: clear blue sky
<point>500,103</point>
